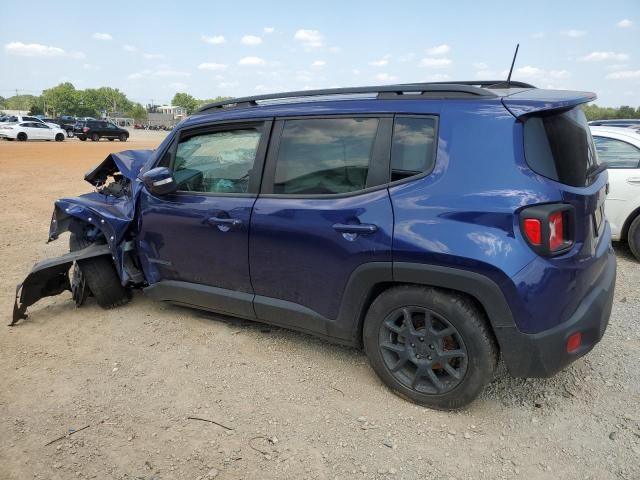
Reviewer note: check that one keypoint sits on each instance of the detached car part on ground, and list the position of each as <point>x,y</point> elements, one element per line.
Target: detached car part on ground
<point>437,229</point>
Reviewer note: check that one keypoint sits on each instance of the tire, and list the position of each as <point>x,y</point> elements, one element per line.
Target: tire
<point>633,237</point>
<point>60,137</point>
<point>123,137</point>
<point>22,137</point>
<point>69,133</point>
<point>111,139</point>
<point>10,139</point>
<point>101,276</point>
<point>458,340</point>
<point>95,137</point>
<point>83,139</point>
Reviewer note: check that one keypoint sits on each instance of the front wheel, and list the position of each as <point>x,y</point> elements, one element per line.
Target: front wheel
<point>83,139</point>
<point>633,237</point>
<point>123,137</point>
<point>428,346</point>
<point>99,275</point>
<point>59,137</point>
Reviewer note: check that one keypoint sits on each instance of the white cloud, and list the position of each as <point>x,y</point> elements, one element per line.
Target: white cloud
<point>33,50</point>
<point>435,62</point>
<point>438,50</point>
<point>573,33</point>
<point>383,62</point>
<point>318,64</point>
<point>269,29</point>
<point>38,50</point>
<point>129,48</point>
<point>214,67</point>
<point>437,77</point>
<point>617,66</point>
<point>260,88</point>
<point>559,74</point>
<point>213,40</point>
<point>309,38</point>
<point>251,61</point>
<point>90,66</point>
<point>102,36</point>
<point>385,77</point>
<point>137,75</point>
<point>178,86</point>
<point>625,75</point>
<point>480,66</point>
<point>250,40</point>
<point>538,35</point>
<point>624,23</point>
<point>165,72</point>
<point>355,71</point>
<point>529,71</point>
<point>601,56</point>
<point>153,56</point>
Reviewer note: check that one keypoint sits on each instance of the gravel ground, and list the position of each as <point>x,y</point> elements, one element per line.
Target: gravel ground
<point>291,406</point>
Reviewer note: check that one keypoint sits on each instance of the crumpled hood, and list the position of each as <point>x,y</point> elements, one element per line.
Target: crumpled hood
<point>129,163</point>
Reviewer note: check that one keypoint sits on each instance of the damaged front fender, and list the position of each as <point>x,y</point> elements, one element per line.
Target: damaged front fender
<point>50,277</point>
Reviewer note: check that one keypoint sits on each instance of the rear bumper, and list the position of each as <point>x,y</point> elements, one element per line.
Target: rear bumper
<point>544,354</point>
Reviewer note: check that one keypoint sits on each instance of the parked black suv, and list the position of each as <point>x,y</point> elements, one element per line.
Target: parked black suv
<point>97,129</point>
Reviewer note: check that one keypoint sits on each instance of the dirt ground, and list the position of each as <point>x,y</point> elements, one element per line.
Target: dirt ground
<point>293,406</point>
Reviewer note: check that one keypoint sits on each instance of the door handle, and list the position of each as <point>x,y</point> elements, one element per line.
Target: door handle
<point>634,180</point>
<point>224,223</point>
<point>358,228</point>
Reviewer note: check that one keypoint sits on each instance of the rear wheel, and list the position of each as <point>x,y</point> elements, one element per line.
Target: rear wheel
<point>123,137</point>
<point>59,137</point>
<point>83,139</point>
<point>22,137</point>
<point>70,133</point>
<point>430,347</point>
<point>111,139</point>
<point>633,237</point>
<point>99,275</point>
<point>95,137</point>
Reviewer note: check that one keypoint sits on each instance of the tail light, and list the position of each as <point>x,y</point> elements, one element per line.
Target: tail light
<point>549,229</point>
<point>85,129</point>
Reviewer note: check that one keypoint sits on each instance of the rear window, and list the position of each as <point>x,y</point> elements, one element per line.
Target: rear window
<point>559,146</point>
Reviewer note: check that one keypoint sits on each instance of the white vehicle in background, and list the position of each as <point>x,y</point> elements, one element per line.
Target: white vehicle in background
<point>619,148</point>
<point>24,131</point>
<point>22,118</point>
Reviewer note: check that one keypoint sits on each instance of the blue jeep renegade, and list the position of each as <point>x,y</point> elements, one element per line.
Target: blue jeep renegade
<point>437,226</point>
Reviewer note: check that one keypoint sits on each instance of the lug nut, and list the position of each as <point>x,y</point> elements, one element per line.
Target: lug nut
<point>431,347</point>
<point>429,357</point>
<point>422,339</point>
<point>413,345</point>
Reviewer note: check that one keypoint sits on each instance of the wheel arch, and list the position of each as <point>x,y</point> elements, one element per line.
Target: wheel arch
<point>624,232</point>
<point>483,292</point>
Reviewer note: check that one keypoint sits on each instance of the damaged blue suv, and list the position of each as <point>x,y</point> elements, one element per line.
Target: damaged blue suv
<point>437,226</point>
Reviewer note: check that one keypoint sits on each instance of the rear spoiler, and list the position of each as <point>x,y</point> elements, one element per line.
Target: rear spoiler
<point>534,100</point>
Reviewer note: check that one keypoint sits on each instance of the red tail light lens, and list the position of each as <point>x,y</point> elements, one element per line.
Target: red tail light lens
<point>556,236</point>
<point>548,228</point>
<point>85,129</point>
<point>533,230</point>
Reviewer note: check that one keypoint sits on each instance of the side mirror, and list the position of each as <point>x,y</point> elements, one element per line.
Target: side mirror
<point>159,181</point>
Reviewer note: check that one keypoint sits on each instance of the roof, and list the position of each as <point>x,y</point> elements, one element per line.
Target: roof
<point>519,98</point>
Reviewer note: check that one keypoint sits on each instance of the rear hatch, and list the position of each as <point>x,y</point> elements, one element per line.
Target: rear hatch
<point>558,147</point>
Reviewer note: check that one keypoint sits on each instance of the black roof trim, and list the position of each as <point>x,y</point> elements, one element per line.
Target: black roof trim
<point>440,90</point>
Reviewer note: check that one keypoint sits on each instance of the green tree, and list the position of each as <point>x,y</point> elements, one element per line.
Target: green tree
<point>186,101</point>
<point>626,111</point>
<point>138,113</point>
<point>62,99</point>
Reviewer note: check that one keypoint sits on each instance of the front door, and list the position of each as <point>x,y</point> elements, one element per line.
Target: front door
<point>198,236</point>
<point>323,211</point>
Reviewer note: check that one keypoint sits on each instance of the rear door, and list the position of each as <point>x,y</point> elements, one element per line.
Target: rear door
<point>323,211</point>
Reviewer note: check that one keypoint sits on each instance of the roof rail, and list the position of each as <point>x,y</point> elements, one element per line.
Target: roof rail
<point>436,90</point>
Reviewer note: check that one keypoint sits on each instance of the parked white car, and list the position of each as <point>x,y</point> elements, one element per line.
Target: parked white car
<point>31,131</point>
<point>619,148</point>
<point>22,118</point>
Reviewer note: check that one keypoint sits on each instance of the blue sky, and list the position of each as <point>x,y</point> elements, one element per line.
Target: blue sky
<point>150,50</point>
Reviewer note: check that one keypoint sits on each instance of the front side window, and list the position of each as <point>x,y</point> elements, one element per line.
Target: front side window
<point>217,162</point>
<point>324,155</point>
<point>413,146</point>
<point>617,153</point>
